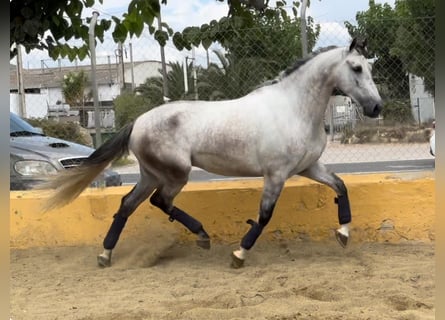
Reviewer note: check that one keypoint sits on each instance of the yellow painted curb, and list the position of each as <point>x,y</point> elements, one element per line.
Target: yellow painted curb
<point>385,207</point>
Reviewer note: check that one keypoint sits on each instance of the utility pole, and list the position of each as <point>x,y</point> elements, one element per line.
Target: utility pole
<point>195,78</point>
<point>207,58</point>
<point>120,50</point>
<point>186,84</point>
<point>164,68</point>
<point>303,28</point>
<point>132,67</point>
<point>97,125</point>
<point>20,84</point>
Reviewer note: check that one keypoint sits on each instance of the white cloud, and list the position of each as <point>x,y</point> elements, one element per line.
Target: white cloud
<point>179,14</point>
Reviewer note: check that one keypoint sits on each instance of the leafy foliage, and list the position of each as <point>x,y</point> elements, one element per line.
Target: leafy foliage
<point>249,27</point>
<point>50,24</point>
<point>69,131</point>
<point>73,88</point>
<point>128,106</point>
<point>152,89</point>
<point>215,83</point>
<point>257,47</point>
<point>235,78</point>
<point>397,111</point>
<point>402,40</point>
<point>415,43</point>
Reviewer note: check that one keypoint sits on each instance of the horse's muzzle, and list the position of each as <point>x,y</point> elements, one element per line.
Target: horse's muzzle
<point>374,112</point>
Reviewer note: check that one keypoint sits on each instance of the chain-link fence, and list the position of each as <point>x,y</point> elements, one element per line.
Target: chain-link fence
<point>130,81</point>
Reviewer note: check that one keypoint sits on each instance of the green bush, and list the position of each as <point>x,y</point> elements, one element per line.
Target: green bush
<point>397,112</point>
<point>70,131</point>
<point>386,134</point>
<point>128,106</point>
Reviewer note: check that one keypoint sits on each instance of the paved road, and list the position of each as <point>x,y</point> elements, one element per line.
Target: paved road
<point>340,158</point>
<point>130,178</point>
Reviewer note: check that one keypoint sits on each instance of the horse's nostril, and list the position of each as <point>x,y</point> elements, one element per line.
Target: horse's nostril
<point>377,109</point>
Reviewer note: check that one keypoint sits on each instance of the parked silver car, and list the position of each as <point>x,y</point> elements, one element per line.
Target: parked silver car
<point>34,155</point>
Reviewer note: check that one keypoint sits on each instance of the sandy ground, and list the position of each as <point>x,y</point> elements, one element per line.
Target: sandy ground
<point>159,278</point>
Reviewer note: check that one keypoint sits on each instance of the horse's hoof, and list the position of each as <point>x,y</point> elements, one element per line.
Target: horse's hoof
<point>236,262</point>
<point>103,261</point>
<point>341,239</point>
<point>203,243</point>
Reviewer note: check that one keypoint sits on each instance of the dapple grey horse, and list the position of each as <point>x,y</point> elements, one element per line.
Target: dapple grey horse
<point>274,132</point>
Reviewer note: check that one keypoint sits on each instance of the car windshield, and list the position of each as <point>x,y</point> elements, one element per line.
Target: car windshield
<point>19,127</point>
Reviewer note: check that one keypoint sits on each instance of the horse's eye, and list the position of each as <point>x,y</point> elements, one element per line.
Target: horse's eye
<point>357,69</point>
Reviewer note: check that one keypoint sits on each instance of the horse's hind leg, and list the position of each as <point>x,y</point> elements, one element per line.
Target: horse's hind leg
<point>271,192</point>
<point>320,173</point>
<point>129,203</point>
<point>163,199</point>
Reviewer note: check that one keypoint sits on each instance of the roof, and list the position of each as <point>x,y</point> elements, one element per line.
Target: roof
<point>52,77</point>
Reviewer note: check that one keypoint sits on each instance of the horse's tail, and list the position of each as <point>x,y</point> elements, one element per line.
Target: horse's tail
<point>68,184</point>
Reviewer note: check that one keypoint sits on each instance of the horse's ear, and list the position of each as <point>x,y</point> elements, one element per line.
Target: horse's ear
<point>353,44</point>
<point>360,46</point>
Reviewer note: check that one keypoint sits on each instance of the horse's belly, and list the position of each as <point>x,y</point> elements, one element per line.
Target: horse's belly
<point>307,159</point>
<point>227,165</point>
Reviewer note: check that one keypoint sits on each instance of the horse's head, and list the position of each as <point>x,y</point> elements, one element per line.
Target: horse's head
<point>354,78</point>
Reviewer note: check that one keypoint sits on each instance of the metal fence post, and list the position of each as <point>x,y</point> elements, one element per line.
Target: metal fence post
<point>97,135</point>
<point>20,84</point>
<point>163,65</point>
<point>303,28</point>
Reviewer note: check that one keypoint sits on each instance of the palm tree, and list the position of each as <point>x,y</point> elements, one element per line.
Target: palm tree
<point>153,89</point>
<point>236,77</point>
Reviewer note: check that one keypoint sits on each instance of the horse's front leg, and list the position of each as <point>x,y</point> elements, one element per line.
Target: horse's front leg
<point>271,192</point>
<point>320,173</point>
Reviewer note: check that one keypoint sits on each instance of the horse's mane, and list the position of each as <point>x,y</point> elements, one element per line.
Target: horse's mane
<point>299,62</point>
<point>297,65</point>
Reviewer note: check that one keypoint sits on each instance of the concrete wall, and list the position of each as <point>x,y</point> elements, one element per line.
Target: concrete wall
<point>385,207</point>
<point>36,105</point>
<point>422,103</point>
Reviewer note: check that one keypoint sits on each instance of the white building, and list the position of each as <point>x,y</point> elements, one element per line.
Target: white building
<point>43,86</point>
<point>422,103</point>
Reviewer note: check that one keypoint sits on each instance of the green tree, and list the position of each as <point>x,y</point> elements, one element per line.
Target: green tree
<point>214,82</point>
<point>49,24</point>
<point>152,89</point>
<point>259,31</point>
<point>415,42</point>
<point>73,88</point>
<point>397,111</point>
<point>128,106</point>
<point>401,40</point>
<point>379,25</point>
<point>234,78</point>
<point>43,24</point>
<point>257,47</point>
